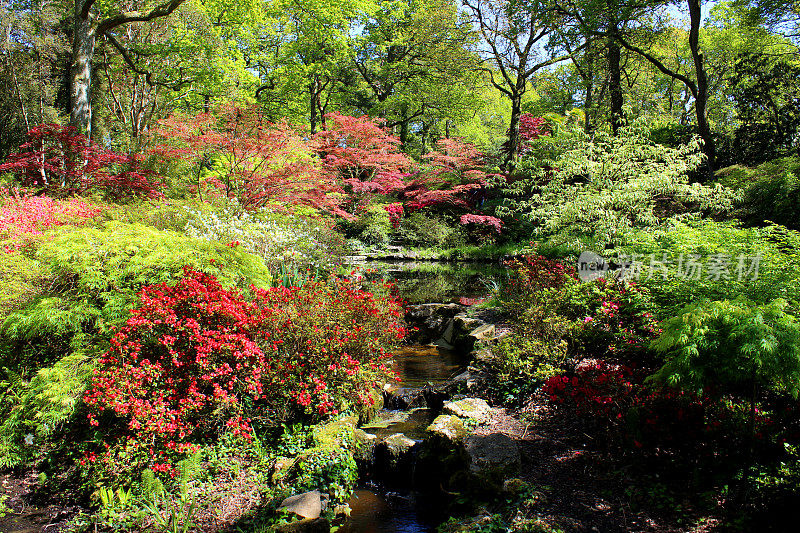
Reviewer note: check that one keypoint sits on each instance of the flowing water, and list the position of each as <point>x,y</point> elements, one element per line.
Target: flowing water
<point>376,509</point>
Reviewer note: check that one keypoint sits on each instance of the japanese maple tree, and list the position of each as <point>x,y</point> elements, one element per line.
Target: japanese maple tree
<point>365,157</point>
<point>237,153</point>
<point>61,162</point>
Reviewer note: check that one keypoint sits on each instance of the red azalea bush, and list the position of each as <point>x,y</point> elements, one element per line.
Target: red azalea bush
<point>62,162</point>
<point>395,211</point>
<point>197,357</point>
<point>21,216</point>
<point>616,319</point>
<point>528,276</point>
<point>614,397</point>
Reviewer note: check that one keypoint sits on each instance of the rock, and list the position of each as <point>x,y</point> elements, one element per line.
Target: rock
<point>281,468</point>
<point>443,344</point>
<point>365,446</point>
<point>483,333</point>
<point>448,426</point>
<point>395,450</point>
<point>306,505</point>
<point>469,408</point>
<point>493,457</point>
<point>449,333</point>
<point>431,320</point>
<point>398,444</point>
<point>466,324</point>
<point>483,355</point>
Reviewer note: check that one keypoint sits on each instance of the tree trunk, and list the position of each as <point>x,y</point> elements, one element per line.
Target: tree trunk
<point>615,78</point>
<point>512,148</point>
<point>588,105</point>
<point>404,129</point>
<point>313,105</point>
<point>83,44</point>
<point>701,98</point>
<point>423,135</point>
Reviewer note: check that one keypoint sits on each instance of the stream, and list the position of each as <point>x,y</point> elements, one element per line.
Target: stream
<point>377,507</point>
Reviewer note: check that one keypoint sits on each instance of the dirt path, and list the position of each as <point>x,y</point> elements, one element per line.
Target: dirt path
<point>584,490</point>
<point>26,515</point>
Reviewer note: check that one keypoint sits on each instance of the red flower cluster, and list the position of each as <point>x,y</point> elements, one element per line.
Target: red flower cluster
<point>530,274</point>
<point>619,319</point>
<point>197,348</point>
<point>21,216</point>
<point>395,213</point>
<point>614,396</point>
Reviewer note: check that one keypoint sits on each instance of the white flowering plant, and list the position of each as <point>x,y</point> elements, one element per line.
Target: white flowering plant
<point>285,241</point>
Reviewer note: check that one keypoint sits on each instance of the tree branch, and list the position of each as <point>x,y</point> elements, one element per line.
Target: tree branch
<point>161,10</point>
<point>690,84</point>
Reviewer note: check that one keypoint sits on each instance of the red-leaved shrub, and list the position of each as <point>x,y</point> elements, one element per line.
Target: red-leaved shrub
<point>62,162</point>
<point>197,357</point>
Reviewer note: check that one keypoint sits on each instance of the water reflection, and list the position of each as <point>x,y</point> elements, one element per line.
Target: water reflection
<point>419,365</point>
<point>394,513</point>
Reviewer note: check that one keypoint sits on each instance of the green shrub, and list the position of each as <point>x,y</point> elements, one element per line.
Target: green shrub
<point>732,346</point>
<point>773,194</point>
<point>422,230</point>
<point>603,187</point>
<point>21,280</point>
<point>778,266</point>
<point>373,226</point>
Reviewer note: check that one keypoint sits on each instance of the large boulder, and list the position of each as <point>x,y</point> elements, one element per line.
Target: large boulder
<point>305,505</point>
<point>493,457</point>
<point>476,408</point>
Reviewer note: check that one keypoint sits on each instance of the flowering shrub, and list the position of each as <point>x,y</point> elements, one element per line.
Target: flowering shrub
<point>395,213</point>
<point>280,240</point>
<point>528,276</point>
<point>62,162</point>
<point>482,220</point>
<point>613,396</point>
<point>21,216</point>
<point>197,358</point>
<point>615,316</point>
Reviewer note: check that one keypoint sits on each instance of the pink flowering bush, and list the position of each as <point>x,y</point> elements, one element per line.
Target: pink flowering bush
<point>482,220</point>
<point>24,216</point>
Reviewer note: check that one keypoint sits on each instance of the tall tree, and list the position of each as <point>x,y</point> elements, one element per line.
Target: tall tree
<point>514,34</point>
<point>94,19</point>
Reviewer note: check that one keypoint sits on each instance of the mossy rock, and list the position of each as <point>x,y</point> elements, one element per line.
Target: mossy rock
<point>337,433</point>
<point>448,427</point>
<point>475,408</point>
<point>367,413</point>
